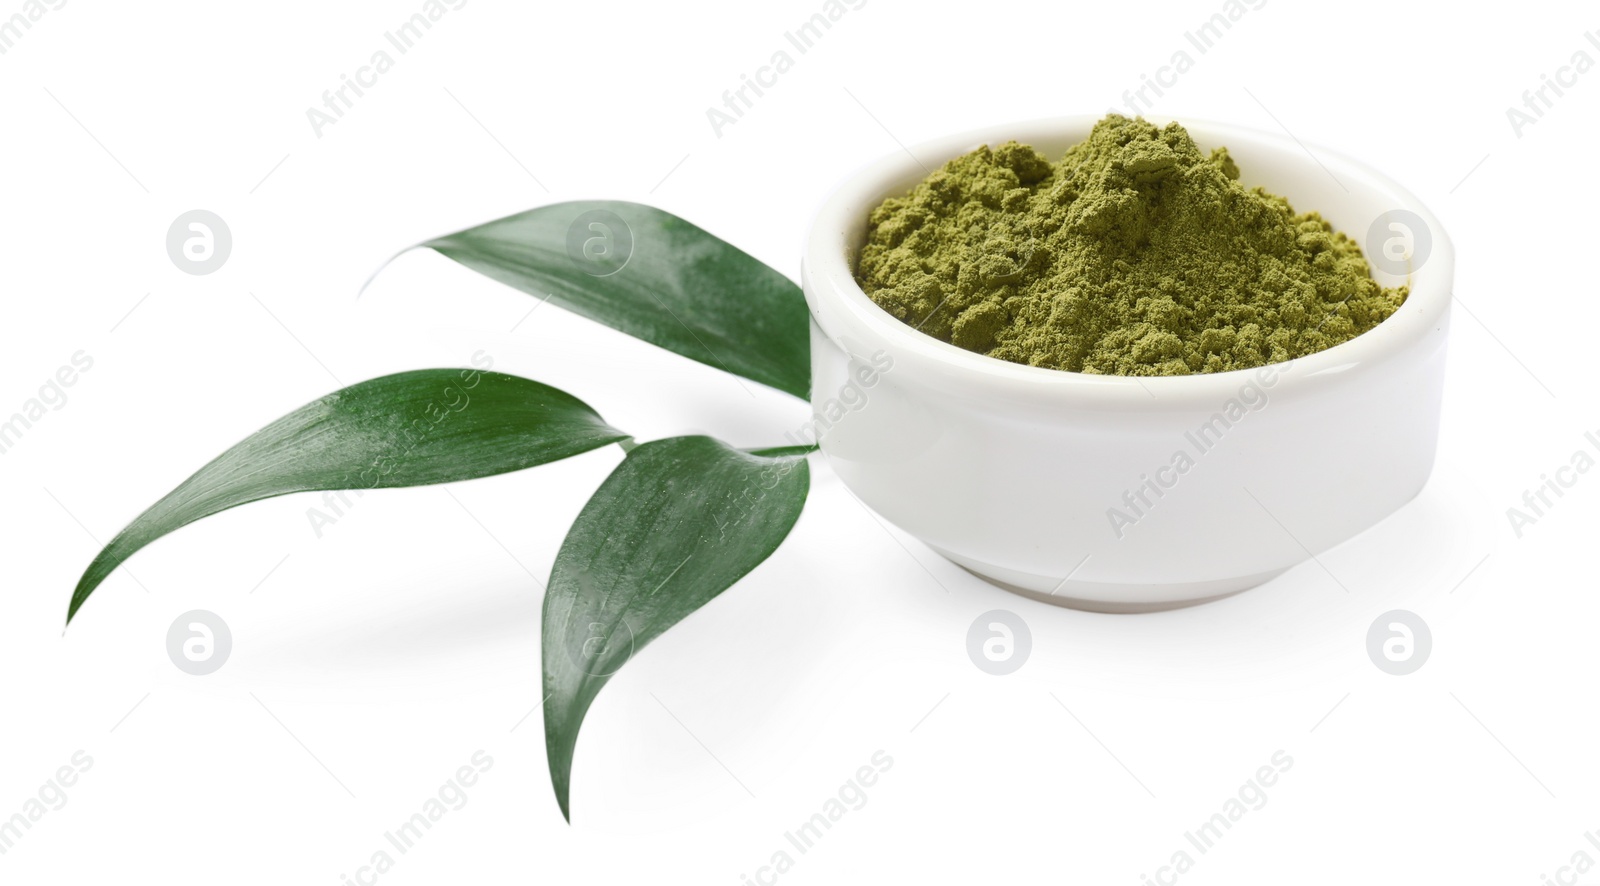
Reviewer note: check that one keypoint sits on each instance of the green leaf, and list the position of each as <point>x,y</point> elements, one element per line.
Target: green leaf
<point>676,524</point>
<point>655,277</point>
<point>409,429</point>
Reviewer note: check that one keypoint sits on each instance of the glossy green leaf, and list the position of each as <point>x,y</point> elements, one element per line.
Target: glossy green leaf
<point>409,429</point>
<point>655,277</point>
<point>676,524</point>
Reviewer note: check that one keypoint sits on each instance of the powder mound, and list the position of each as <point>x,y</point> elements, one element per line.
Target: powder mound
<point>1136,254</point>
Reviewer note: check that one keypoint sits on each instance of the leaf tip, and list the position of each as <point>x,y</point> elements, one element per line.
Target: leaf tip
<point>379,269</point>
<point>561,781</point>
<point>79,595</point>
<point>86,585</point>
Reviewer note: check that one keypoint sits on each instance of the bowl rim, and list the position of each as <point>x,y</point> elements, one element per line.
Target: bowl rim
<point>834,296</point>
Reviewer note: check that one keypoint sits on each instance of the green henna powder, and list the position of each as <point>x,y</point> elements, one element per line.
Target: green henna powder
<point>1136,254</point>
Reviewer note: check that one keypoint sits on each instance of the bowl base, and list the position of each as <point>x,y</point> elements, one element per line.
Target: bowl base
<point>1113,598</point>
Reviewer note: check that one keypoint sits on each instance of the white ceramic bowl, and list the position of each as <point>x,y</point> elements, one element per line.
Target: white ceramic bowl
<point>1019,473</point>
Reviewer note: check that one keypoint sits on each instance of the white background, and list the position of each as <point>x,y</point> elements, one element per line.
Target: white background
<point>372,662</point>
